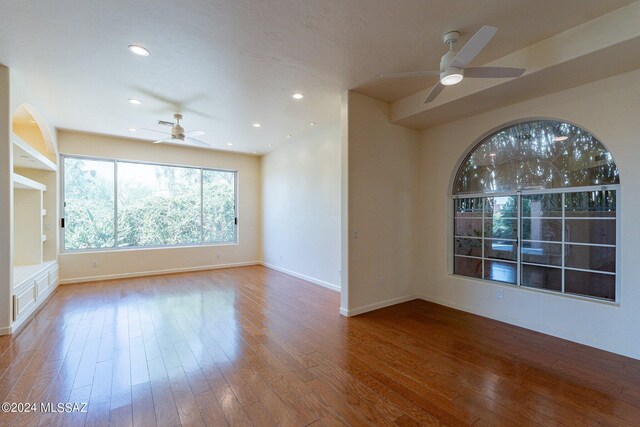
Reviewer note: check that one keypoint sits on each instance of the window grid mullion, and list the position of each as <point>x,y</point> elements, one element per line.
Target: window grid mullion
<point>562,255</point>
<point>519,241</point>
<point>115,204</point>
<point>201,206</point>
<point>484,200</point>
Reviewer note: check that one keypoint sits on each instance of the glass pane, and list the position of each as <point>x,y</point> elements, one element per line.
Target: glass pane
<point>500,249</point>
<point>542,205</point>
<point>89,204</point>
<point>534,276</point>
<point>468,227</point>
<point>538,154</point>
<point>501,207</point>
<point>590,203</point>
<point>469,247</point>
<point>500,271</point>
<point>542,253</point>
<point>501,228</point>
<point>219,206</point>
<point>590,284</point>
<point>469,207</point>
<point>599,231</point>
<point>542,229</point>
<point>471,267</point>
<point>158,205</point>
<point>591,257</point>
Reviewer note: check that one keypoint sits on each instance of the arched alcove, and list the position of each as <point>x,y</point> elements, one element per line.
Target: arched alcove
<point>31,126</point>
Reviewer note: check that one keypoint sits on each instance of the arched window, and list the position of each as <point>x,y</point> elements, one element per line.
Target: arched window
<point>535,206</point>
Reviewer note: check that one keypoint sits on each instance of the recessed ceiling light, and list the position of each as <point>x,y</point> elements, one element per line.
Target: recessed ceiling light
<point>560,138</point>
<point>135,101</point>
<point>138,50</point>
<point>256,125</point>
<point>132,129</point>
<point>229,143</point>
<point>270,145</point>
<point>312,123</point>
<point>288,135</point>
<point>297,96</point>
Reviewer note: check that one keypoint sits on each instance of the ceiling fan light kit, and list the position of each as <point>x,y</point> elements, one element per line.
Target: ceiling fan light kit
<point>454,63</point>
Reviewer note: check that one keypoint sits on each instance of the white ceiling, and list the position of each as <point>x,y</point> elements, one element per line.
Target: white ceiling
<point>226,64</point>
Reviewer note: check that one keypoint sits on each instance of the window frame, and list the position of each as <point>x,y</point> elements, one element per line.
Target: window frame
<point>115,161</point>
<point>518,284</point>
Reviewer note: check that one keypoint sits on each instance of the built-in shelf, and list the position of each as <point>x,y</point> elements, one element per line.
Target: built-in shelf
<point>23,183</point>
<point>25,156</point>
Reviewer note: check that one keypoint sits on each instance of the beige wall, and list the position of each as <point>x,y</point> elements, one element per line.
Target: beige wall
<point>78,266</point>
<point>383,177</point>
<point>6,202</point>
<point>610,109</point>
<point>301,207</point>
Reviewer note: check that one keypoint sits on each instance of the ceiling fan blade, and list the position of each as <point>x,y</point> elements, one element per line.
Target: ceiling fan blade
<point>155,130</point>
<point>493,72</point>
<point>196,142</point>
<point>195,133</point>
<point>435,91</point>
<point>474,46</point>
<point>163,140</point>
<point>410,74</point>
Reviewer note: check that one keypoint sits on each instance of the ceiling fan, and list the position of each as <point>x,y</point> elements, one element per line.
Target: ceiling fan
<point>178,134</point>
<point>453,65</point>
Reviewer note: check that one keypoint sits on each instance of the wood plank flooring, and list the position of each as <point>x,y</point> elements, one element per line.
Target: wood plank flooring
<point>251,346</point>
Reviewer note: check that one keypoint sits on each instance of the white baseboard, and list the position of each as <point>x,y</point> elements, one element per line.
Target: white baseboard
<point>303,277</point>
<point>377,305</point>
<point>5,331</point>
<point>155,272</point>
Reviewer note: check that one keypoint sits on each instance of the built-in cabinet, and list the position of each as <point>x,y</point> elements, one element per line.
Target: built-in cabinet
<point>35,265</point>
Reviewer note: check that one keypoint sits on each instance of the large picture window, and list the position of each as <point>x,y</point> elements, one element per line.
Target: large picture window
<point>535,205</point>
<point>111,204</point>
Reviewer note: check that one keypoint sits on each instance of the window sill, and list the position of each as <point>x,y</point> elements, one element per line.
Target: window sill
<point>145,248</point>
<point>535,290</point>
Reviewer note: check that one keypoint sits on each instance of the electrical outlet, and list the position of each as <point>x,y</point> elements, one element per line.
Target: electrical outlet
<point>281,257</point>
<point>94,264</point>
<point>381,280</point>
<point>499,294</point>
<point>218,255</point>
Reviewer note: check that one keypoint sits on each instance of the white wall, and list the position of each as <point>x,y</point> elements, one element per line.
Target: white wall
<point>122,263</point>
<point>383,177</point>
<point>301,207</point>
<point>608,108</point>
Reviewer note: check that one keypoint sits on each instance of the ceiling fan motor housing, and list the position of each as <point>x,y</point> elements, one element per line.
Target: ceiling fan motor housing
<point>177,131</point>
<point>450,75</point>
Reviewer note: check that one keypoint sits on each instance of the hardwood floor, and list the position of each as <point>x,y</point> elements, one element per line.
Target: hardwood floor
<point>251,346</point>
